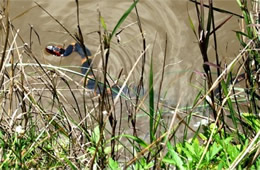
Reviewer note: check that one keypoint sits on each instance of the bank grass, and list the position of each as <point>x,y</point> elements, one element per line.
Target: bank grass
<point>50,120</point>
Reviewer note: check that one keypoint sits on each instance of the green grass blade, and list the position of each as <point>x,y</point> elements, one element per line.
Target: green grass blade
<point>229,102</point>
<point>122,19</point>
<point>151,102</point>
<point>136,139</point>
<point>192,25</point>
<point>103,23</point>
<point>239,3</point>
<point>71,164</point>
<point>252,120</point>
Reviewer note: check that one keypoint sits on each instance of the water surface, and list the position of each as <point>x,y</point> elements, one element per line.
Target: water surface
<point>159,18</point>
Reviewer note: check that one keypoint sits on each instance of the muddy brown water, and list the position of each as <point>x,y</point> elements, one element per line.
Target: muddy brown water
<point>157,17</point>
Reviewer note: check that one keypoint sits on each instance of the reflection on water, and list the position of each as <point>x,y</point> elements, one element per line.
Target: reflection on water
<point>158,19</point>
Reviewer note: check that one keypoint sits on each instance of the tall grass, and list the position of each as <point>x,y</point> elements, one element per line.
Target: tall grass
<point>225,107</point>
<point>49,120</point>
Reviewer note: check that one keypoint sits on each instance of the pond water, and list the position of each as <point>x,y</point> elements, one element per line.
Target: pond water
<point>158,19</point>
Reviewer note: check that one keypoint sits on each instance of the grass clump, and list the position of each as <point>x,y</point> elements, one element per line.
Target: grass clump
<point>49,120</point>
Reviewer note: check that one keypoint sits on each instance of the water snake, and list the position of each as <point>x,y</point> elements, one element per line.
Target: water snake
<point>86,63</point>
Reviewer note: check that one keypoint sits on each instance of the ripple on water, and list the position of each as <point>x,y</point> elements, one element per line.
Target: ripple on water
<point>157,18</point>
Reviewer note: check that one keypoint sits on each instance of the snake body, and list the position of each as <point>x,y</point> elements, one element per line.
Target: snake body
<point>86,63</point>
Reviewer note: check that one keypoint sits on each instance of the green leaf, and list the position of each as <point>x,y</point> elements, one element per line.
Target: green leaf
<point>122,19</point>
<point>239,35</point>
<point>203,137</point>
<point>197,148</point>
<point>103,23</point>
<point>91,150</point>
<point>188,154</point>
<point>176,160</point>
<point>137,140</point>
<point>113,164</point>
<point>179,147</point>
<point>252,120</point>
<point>95,135</point>
<point>214,150</point>
<point>229,102</point>
<point>190,148</point>
<point>220,166</point>
<point>169,161</point>
<point>149,165</point>
<point>232,151</point>
<point>227,140</point>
